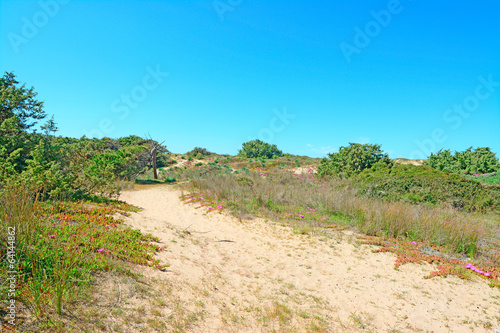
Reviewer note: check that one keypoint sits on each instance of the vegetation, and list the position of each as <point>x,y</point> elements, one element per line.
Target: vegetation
<point>351,160</point>
<point>283,196</point>
<point>422,184</point>
<point>199,153</point>
<point>56,193</point>
<point>468,162</point>
<point>62,167</point>
<point>59,242</point>
<point>487,179</point>
<point>259,149</point>
<point>59,245</point>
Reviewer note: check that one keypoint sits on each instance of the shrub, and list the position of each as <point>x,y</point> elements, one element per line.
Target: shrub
<point>163,160</point>
<point>351,160</point>
<point>477,161</point>
<point>199,153</point>
<point>259,149</point>
<point>423,184</point>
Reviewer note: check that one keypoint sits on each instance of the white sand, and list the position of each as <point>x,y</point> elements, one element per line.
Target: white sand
<point>334,279</point>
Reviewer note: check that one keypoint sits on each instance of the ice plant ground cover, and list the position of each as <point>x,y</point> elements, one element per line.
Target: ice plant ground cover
<point>491,179</point>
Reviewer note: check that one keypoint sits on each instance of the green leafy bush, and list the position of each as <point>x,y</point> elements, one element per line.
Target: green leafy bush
<point>353,159</point>
<point>423,184</point>
<point>478,161</point>
<point>199,153</point>
<point>259,149</point>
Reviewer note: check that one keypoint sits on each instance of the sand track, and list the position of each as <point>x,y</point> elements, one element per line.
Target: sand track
<point>268,278</point>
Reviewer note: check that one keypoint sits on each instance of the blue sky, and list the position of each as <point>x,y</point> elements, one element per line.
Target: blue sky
<point>309,76</point>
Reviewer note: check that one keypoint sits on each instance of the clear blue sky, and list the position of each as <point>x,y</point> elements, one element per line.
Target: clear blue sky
<point>384,72</point>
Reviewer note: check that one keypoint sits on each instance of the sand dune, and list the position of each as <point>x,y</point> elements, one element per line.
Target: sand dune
<point>252,276</point>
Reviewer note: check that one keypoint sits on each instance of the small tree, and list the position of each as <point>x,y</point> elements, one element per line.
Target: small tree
<point>18,106</point>
<point>19,113</point>
<point>258,149</point>
<point>353,159</point>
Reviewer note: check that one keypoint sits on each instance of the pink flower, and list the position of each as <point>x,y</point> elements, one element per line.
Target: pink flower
<point>52,236</point>
<point>487,274</point>
<point>301,215</point>
<point>472,268</point>
<point>255,205</point>
<point>469,265</point>
<point>324,218</point>
<point>210,208</point>
<point>74,235</point>
<point>100,250</point>
<point>414,243</point>
<point>219,207</point>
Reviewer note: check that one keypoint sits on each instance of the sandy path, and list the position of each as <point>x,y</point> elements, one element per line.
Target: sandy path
<point>270,278</point>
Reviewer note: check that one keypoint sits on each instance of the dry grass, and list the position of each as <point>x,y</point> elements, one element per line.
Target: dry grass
<point>279,194</point>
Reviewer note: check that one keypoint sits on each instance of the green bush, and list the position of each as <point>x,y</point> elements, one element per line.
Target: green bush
<point>423,184</point>
<point>259,149</point>
<point>353,159</point>
<point>199,153</point>
<point>478,161</point>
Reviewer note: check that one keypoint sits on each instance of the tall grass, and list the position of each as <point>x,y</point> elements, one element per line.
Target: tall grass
<point>58,245</point>
<point>283,193</point>
<point>43,274</point>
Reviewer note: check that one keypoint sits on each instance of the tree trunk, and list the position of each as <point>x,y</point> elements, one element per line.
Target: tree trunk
<point>154,165</point>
